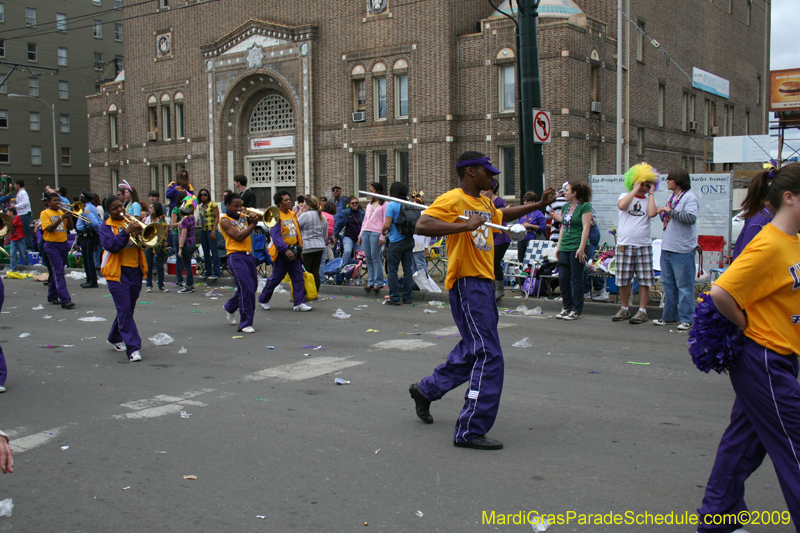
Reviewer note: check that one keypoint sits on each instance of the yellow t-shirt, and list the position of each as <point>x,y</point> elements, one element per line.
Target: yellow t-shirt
<point>129,256</point>
<point>765,282</point>
<point>47,217</point>
<point>469,254</point>
<point>231,244</point>
<point>290,229</point>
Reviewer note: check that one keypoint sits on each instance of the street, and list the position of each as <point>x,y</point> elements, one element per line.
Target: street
<point>271,435</point>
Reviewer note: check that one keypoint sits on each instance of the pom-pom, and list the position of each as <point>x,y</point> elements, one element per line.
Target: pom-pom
<point>715,343</point>
<point>190,202</point>
<point>641,173</point>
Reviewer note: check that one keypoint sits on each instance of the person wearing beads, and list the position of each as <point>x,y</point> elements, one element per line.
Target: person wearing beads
<point>124,266</point>
<point>576,221</point>
<point>678,245</point>
<point>236,229</point>
<point>55,226</point>
<point>760,294</point>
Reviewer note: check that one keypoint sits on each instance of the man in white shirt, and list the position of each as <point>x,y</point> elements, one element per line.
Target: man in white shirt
<point>23,204</point>
<point>634,254</point>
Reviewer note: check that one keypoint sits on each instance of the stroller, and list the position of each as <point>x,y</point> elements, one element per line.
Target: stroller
<point>337,273</point>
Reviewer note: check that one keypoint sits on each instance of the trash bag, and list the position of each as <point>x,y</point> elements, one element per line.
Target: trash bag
<point>161,339</point>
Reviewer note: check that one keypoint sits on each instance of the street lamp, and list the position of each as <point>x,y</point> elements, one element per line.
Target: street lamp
<point>53,117</point>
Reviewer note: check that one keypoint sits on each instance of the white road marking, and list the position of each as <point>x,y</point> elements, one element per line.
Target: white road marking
<point>307,369</point>
<point>162,405</point>
<point>138,405</point>
<point>32,441</point>
<point>406,345</point>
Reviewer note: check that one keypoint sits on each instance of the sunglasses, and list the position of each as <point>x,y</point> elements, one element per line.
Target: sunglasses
<point>204,194</point>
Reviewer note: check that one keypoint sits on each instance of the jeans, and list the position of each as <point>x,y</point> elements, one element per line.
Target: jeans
<point>401,252</point>
<point>419,262</point>
<point>21,248</point>
<point>570,281</point>
<point>27,229</point>
<point>153,256</point>
<point>499,253</point>
<point>187,252</point>
<point>348,245</point>
<point>87,252</point>
<point>322,262</point>
<point>677,278</point>
<point>596,284</point>
<point>210,254</point>
<point>372,249</point>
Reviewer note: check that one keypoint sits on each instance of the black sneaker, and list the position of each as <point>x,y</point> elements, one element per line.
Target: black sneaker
<point>422,404</point>
<point>186,289</point>
<point>68,305</point>
<point>480,443</point>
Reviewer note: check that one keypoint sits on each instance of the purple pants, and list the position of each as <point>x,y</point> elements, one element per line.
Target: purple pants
<point>477,358</point>
<point>3,371</point>
<point>279,269</point>
<point>243,269</point>
<point>57,255</point>
<point>125,292</point>
<point>765,419</point>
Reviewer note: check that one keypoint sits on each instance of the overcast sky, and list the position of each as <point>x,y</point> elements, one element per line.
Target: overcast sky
<point>784,51</point>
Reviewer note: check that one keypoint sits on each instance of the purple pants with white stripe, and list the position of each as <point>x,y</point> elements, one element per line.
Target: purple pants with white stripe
<point>477,359</point>
<point>57,253</point>
<point>125,292</point>
<point>242,267</point>
<point>765,419</point>
<point>280,267</point>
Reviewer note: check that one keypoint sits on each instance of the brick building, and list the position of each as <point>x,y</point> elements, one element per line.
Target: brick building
<point>309,95</point>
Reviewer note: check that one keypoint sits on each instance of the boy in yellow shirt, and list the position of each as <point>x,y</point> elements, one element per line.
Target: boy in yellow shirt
<point>55,226</point>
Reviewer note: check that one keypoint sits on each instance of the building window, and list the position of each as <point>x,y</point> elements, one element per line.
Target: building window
<point>98,61</point>
<point>153,122</point>
<point>711,117</point>
<point>62,57</point>
<point>401,166</point>
<point>64,119</point>
<point>2,48</point>
<point>749,12</point>
<point>640,42</point>
<point>33,86</point>
<point>97,29</point>
<point>381,169</point>
<point>508,171</point>
<point>359,95</point>
<point>760,90</point>
<point>662,96</point>
<point>640,141</point>
<point>747,122</point>
<point>401,96</point>
<point>688,112</point>
<point>3,118</point>
<point>61,22</point>
<point>30,16</point>
<point>96,2</point>
<point>379,97</point>
<point>360,171</point>
<point>117,4</point>
<point>36,155</point>
<point>593,160</point>
<point>4,155</point>
<point>114,179</point>
<point>272,113</point>
<point>3,87</point>
<point>167,176</point>
<point>728,126</point>
<point>118,65</point>
<point>154,176</point>
<point>2,12</point>
<point>66,157</point>
<point>595,83</point>
<point>507,86</point>
<point>112,129</point>
<point>164,4</point>
<point>35,121</point>
<point>180,121</point>
<point>166,122</point>
<point>118,32</point>
<point>32,52</point>
<point>63,90</point>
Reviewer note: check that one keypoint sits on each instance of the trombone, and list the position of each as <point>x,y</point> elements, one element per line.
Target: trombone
<point>270,216</point>
<point>6,223</point>
<point>76,210</point>
<point>152,234</point>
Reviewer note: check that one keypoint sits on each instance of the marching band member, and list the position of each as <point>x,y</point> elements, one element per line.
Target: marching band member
<point>55,226</point>
<point>124,266</point>
<point>237,229</point>
<point>285,238</point>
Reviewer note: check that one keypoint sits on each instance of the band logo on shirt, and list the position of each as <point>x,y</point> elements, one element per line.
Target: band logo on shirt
<point>290,227</point>
<point>60,228</point>
<point>480,237</point>
<point>794,270</point>
<point>795,319</point>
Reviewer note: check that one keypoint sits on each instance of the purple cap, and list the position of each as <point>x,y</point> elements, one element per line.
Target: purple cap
<point>484,162</point>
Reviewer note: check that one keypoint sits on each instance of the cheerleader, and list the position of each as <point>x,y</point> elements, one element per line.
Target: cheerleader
<point>124,266</point>
<point>55,226</point>
<point>760,295</point>
<point>237,230</point>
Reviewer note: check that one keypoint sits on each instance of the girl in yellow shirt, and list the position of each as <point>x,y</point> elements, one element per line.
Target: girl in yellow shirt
<point>55,226</point>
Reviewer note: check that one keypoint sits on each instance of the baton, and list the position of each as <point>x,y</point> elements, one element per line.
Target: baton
<point>517,231</point>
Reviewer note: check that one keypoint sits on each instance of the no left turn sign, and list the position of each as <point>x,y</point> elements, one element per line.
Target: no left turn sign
<point>542,127</point>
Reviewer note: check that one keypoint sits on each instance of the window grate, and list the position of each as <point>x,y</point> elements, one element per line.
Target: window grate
<point>272,113</point>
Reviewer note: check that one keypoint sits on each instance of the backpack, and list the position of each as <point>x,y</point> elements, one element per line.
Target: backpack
<point>406,221</point>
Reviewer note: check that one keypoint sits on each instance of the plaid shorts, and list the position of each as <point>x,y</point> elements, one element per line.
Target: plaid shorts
<point>632,260</point>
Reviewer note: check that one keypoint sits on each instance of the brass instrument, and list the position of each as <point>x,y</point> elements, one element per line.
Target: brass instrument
<point>152,234</point>
<point>270,216</point>
<point>6,223</point>
<point>76,210</point>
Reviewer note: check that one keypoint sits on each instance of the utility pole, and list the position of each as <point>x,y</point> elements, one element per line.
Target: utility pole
<point>530,86</point>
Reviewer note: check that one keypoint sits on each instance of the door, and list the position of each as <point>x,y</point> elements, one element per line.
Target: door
<point>267,176</point>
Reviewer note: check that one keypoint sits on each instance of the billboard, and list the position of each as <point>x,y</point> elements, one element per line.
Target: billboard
<point>784,89</point>
<point>711,83</point>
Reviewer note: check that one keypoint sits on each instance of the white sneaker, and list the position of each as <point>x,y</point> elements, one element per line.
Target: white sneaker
<point>562,314</point>
<point>2,388</point>
<point>135,356</point>
<point>600,295</point>
<point>265,307</point>
<point>231,318</point>
<point>118,346</point>
<point>248,329</point>
<point>302,308</point>
<point>213,277</point>
<point>684,326</point>
<point>573,316</point>
<point>149,289</point>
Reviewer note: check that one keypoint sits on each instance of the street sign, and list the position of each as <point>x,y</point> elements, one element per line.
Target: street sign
<point>542,127</point>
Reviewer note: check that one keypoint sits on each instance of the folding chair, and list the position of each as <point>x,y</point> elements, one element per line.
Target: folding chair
<point>436,257</point>
<point>533,259</point>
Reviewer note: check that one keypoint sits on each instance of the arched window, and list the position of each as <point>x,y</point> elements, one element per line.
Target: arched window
<point>272,113</point>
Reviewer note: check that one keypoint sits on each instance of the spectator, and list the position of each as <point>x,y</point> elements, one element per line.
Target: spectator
<point>156,256</point>
<point>401,248</point>
<point>576,220</point>
<point>19,247</point>
<point>323,200</point>
<point>300,207</point>
<point>594,287</point>
<point>224,207</point>
<point>348,225</point>
<point>534,223</point>
<point>553,213</point>
<point>176,187</point>
<point>329,212</point>
<point>634,253</point>
<point>502,240</point>
<point>88,229</point>
<point>173,237</point>
<point>338,199</point>
<point>187,246</point>
<point>209,211</point>
<point>420,241</point>
<point>248,196</point>
<point>153,196</point>
<point>22,203</point>
<point>130,199</point>
<point>314,229</point>
<point>371,238</point>
<point>63,197</point>
<point>678,246</point>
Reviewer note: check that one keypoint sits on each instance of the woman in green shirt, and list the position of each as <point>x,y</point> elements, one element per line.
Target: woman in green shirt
<point>576,222</point>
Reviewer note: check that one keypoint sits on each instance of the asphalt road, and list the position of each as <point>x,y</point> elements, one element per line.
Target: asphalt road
<point>270,434</point>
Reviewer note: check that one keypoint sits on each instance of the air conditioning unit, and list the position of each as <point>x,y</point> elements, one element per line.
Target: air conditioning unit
<point>714,130</point>
<point>597,107</point>
<point>693,125</point>
<point>359,116</point>
<point>152,135</point>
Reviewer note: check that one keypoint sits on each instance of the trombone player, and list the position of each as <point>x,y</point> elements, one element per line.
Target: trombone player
<point>237,225</point>
<point>56,223</point>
